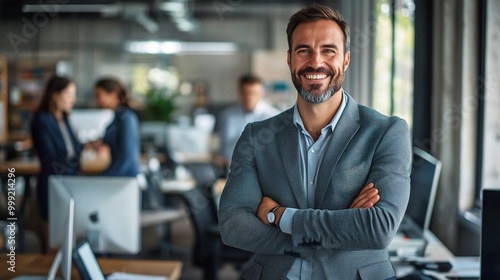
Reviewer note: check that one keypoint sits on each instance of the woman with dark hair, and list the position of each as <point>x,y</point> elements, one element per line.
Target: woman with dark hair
<point>55,143</point>
<point>122,135</point>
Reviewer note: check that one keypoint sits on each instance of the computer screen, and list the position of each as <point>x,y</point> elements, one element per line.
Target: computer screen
<point>187,141</point>
<point>63,257</point>
<point>490,230</point>
<point>107,212</point>
<point>424,180</point>
<point>90,124</point>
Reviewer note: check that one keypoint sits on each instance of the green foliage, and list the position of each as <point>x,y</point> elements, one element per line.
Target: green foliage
<point>159,105</point>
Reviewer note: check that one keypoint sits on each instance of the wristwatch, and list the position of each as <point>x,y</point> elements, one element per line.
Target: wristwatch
<point>270,216</point>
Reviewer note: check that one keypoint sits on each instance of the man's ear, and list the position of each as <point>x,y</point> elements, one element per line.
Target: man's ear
<point>347,59</point>
<point>288,58</point>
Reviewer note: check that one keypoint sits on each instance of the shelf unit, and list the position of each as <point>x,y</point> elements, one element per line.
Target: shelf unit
<point>27,80</point>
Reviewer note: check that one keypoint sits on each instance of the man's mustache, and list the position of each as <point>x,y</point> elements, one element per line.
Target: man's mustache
<point>320,70</point>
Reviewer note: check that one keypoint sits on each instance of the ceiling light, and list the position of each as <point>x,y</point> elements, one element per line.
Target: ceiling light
<point>172,47</point>
<point>172,6</point>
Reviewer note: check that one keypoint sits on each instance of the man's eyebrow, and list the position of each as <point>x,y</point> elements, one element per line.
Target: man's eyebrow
<point>330,46</point>
<point>302,46</point>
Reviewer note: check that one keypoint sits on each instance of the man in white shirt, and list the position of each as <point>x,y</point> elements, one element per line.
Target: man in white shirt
<point>251,108</point>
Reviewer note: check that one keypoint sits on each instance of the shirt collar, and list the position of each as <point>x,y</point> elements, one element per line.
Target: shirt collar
<point>297,120</point>
<point>257,110</point>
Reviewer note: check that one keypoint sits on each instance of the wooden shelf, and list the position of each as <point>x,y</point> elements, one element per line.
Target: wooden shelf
<point>28,80</point>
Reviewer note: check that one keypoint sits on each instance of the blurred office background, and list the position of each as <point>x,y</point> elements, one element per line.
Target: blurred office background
<point>434,63</point>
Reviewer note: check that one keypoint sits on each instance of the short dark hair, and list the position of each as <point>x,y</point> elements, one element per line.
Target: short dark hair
<point>249,79</point>
<point>317,12</point>
<point>113,85</point>
<point>54,86</point>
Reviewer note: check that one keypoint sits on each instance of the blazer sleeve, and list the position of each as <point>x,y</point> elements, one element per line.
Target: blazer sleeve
<point>127,146</point>
<point>368,228</point>
<point>239,225</point>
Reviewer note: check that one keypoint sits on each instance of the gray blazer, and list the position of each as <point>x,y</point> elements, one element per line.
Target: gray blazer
<point>348,243</point>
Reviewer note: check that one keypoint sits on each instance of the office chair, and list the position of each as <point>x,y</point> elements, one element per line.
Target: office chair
<point>204,173</point>
<point>208,251</point>
<point>157,210</point>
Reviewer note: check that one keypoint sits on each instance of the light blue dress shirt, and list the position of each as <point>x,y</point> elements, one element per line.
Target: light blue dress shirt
<point>311,155</point>
<point>232,122</point>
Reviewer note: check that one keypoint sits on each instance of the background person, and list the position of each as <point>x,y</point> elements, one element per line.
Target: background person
<point>251,108</point>
<point>122,135</point>
<point>56,145</point>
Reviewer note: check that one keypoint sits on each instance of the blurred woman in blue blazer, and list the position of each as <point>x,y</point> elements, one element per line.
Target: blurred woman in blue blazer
<point>54,141</point>
<point>122,135</point>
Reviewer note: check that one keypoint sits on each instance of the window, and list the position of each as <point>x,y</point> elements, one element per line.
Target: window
<point>394,57</point>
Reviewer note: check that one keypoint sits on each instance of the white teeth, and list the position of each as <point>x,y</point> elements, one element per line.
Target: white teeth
<point>315,77</point>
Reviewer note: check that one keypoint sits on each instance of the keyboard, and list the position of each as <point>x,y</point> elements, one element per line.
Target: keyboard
<point>418,275</point>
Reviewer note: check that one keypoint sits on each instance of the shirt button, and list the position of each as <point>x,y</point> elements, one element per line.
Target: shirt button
<point>312,183</point>
<point>312,151</point>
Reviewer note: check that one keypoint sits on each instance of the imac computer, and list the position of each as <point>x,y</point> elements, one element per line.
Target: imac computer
<point>90,124</point>
<point>63,256</point>
<point>106,212</point>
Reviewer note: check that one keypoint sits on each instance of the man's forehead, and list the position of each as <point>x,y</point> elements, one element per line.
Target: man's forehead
<point>326,31</point>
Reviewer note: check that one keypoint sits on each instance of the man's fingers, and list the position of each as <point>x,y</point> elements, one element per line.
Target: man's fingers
<point>369,196</point>
<point>367,188</point>
<point>365,192</point>
<point>369,202</point>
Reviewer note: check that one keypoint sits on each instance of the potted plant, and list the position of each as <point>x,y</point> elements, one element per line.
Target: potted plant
<point>159,105</point>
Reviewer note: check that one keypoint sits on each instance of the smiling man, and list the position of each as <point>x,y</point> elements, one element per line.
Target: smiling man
<point>318,191</point>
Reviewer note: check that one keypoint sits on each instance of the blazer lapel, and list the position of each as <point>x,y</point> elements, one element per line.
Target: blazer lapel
<point>56,133</point>
<point>289,151</point>
<point>346,129</point>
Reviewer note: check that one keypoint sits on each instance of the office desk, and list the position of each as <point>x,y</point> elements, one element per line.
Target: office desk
<point>31,166</point>
<point>173,186</point>
<point>435,251</point>
<point>32,264</point>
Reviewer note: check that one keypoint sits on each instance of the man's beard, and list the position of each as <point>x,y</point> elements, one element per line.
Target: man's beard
<point>314,95</point>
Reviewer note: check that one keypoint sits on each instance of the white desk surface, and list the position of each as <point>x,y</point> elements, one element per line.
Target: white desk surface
<point>177,185</point>
<point>435,251</point>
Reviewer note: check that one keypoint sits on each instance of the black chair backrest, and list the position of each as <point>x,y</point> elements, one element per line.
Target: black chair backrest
<point>204,173</point>
<point>200,207</point>
<point>152,197</point>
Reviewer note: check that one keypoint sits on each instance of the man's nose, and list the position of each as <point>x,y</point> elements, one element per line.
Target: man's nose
<point>316,60</point>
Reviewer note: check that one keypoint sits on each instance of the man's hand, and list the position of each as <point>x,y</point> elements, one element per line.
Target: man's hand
<point>366,198</point>
<point>267,204</point>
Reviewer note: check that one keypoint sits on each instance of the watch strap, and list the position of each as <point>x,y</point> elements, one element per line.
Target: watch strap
<point>274,209</point>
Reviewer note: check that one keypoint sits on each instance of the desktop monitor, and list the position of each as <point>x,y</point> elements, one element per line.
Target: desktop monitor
<point>424,179</point>
<point>90,124</point>
<point>63,257</point>
<point>490,230</point>
<point>106,212</point>
<point>187,141</point>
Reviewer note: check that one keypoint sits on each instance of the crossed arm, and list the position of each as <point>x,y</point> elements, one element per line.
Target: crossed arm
<point>369,224</point>
<point>367,198</point>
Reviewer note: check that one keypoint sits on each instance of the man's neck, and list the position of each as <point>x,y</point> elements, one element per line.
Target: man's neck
<point>316,116</point>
